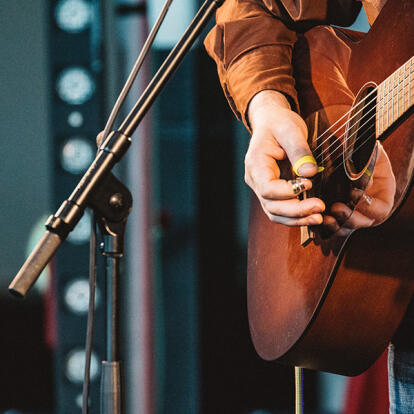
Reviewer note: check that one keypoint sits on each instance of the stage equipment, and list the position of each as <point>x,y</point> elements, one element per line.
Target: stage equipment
<point>100,190</point>
<point>76,63</point>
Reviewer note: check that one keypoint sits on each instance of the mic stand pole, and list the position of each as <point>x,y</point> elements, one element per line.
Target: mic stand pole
<point>112,204</point>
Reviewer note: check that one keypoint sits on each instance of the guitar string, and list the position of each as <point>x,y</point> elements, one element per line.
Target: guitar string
<point>341,144</point>
<point>344,116</point>
<point>355,132</point>
<point>357,148</point>
<point>337,140</point>
<point>354,151</point>
<point>386,95</point>
<point>343,125</point>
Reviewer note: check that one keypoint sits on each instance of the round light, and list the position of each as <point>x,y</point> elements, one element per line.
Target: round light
<point>82,231</point>
<point>76,155</point>
<point>75,119</point>
<point>79,400</point>
<point>73,16</point>
<point>76,296</point>
<point>75,85</point>
<point>75,366</point>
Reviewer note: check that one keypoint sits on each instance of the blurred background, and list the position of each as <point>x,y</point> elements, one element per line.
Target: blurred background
<point>185,341</point>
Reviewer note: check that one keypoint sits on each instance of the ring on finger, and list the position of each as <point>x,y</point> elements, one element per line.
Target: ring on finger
<point>297,186</point>
<point>367,199</point>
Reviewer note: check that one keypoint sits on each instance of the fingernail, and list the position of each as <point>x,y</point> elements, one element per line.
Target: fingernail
<point>303,163</point>
<point>306,168</point>
<point>316,219</point>
<point>318,208</point>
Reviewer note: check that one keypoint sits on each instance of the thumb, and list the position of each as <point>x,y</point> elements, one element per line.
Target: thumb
<point>293,139</point>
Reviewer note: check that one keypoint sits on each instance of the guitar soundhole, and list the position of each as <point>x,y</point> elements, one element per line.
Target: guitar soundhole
<point>360,138</point>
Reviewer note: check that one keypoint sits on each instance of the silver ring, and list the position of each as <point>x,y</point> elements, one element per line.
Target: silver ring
<point>367,199</point>
<point>297,186</point>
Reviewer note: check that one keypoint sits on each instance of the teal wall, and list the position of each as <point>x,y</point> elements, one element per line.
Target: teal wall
<point>24,139</point>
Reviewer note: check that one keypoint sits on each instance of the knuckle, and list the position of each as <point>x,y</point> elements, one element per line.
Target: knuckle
<point>275,219</point>
<point>292,134</point>
<point>272,217</point>
<point>247,178</point>
<point>302,213</point>
<point>265,192</point>
<point>275,210</point>
<point>249,162</point>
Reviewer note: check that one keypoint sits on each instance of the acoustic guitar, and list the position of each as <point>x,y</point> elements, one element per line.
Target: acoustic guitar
<point>331,297</point>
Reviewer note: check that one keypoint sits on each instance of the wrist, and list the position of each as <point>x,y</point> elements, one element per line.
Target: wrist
<point>264,100</point>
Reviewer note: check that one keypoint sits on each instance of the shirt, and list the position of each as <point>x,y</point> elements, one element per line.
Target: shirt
<point>252,43</point>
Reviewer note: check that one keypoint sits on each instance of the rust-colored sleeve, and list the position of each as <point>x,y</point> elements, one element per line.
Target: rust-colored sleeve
<point>253,40</point>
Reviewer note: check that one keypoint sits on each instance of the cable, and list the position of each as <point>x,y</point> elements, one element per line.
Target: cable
<point>134,72</point>
<point>92,246</point>
<point>91,316</point>
<point>298,390</point>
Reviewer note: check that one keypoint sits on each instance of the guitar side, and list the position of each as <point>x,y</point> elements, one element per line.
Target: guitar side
<point>334,304</point>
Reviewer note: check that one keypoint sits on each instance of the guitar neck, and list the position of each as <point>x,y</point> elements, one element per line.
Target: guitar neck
<point>395,96</point>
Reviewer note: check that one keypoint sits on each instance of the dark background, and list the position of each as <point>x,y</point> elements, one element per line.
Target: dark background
<point>201,358</point>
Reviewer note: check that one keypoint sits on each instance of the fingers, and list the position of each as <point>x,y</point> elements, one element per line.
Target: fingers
<point>262,173</point>
<point>270,112</point>
<point>294,212</point>
<point>312,220</point>
<point>292,137</point>
<point>294,207</point>
<point>263,180</point>
<point>358,220</point>
<point>278,132</point>
<point>283,190</point>
<point>278,197</point>
<point>350,219</point>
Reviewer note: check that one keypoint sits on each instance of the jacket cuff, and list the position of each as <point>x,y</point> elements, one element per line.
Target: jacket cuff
<point>267,67</point>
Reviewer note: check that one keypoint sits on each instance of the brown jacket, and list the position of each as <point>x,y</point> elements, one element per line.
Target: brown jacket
<point>252,43</point>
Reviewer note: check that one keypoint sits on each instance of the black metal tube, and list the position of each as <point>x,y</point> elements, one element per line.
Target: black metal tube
<point>112,308</point>
<point>168,67</point>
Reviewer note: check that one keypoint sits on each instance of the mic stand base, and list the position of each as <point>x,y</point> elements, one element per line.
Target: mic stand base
<point>110,387</point>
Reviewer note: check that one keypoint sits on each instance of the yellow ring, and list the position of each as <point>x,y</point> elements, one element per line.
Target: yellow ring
<point>303,160</point>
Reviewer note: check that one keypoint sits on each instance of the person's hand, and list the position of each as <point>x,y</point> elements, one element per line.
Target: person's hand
<point>373,205</point>
<point>278,133</point>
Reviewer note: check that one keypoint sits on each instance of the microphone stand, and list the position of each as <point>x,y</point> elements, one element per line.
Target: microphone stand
<point>111,201</point>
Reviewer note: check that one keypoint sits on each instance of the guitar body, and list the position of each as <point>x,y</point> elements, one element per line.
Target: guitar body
<point>334,303</point>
